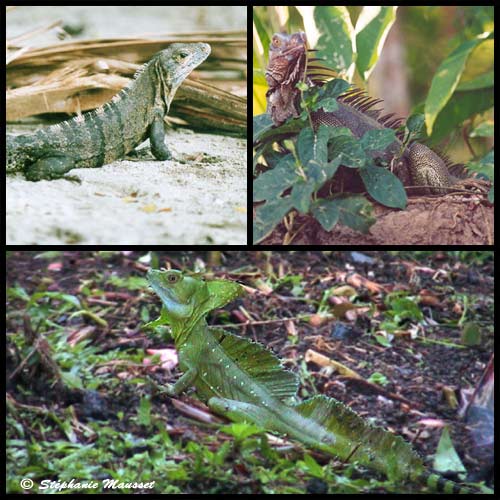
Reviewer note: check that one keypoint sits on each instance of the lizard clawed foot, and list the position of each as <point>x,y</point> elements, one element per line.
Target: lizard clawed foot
<point>170,390</point>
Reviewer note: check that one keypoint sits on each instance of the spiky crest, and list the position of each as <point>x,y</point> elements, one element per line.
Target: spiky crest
<point>82,118</point>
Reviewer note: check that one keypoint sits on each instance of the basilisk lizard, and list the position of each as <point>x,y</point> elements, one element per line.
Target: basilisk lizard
<point>243,381</point>
<point>417,166</point>
<point>113,130</point>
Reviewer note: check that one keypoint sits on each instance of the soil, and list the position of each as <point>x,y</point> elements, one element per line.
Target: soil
<point>454,219</point>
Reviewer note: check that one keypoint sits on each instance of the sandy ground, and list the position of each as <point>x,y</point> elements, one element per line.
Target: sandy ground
<point>198,200</point>
<point>201,201</point>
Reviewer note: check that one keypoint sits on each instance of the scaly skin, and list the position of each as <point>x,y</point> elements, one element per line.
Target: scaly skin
<point>418,167</point>
<point>243,381</point>
<point>110,132</point>
<point>285,69</point>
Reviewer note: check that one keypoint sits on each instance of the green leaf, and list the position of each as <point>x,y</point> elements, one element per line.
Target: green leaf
<point>383,186</point>
<point>312,467</point>
<point>144,411</point>
<point>378,378</point>
<point>485,167</point>
<point>301,195</point>
<point>486,80</point>
<point>265,131</point>
<point>63,297</point>
<point>269,215</point>
<point>328,104</point>
<point>383,340</point>
<point>445,81</point>
<point>404,307</point>
<point>377,139</point>
<point>325,97</point>
<point>71,380</point>
<point>484,129</point>
<point>352,211</point>
<point>349,150</point>
<point>261,123</point>
<point>372,28</point>
<point>446,457</point>
<point>337,44</point>
<point>272,183</point>
<point>355,212</point>
<point>327,213</point>
<point>415,123</point>
<point>307,149</point>
<point>471,333</point>
<point>259,25</point>
<point>460,107</point>
<point>242,430</point>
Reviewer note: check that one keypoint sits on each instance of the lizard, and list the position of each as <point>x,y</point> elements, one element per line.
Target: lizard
<point>287,61</point>
<point>114,129</point>
<point>243,381</point>
<point>418,166</point>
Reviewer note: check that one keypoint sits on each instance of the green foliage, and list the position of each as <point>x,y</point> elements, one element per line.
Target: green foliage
<point>312,467</point>
<point>336,44</point>
<point>49,255</point>
<point>446,458</point>
<point>242,430</point>
<point>383,186</point>
<point>372,28</point>
<point>378,378</point>
<point>352,211</point>
<point>485,167</point>
<point>471,334</point>
<point>459,87</point>
<point>294,178</point>
<point>468,256</point>
<point>446,79</point>
<point>401,307</point>
<point>130,283</point>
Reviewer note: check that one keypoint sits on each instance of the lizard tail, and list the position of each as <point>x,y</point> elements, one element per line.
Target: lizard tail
<point>348,436</point>
<point>439,484</point>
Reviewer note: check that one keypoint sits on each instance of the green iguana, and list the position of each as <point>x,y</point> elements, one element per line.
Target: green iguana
<point>113,130</point>
<point>417,167</point>
<point>243,381</point>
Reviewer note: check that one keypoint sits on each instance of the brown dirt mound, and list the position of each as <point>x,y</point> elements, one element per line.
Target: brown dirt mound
<point>455,219</point>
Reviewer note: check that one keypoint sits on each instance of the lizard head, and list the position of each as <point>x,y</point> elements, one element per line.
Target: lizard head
<point>186,297</point>
<point>176,62</point>
<point>288,45</point>
<point>287,55</point>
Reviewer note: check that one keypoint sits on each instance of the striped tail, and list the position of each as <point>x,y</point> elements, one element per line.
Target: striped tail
<point>437,483</point>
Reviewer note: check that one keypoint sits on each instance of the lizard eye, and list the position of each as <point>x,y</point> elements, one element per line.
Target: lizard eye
<point>183,55</point>
<point>172,278</point>
<point>276,42</point>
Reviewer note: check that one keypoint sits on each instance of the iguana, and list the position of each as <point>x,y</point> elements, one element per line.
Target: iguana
<point>243,381</point>
<point>110,132</point>
<point>287,63</point>
<point>417,165</point>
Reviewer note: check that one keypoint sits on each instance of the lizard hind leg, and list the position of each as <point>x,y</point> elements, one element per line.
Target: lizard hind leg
<point>239,411</point>
<point>278,418</point>
<point>428,170</point>
<point>49,167</point>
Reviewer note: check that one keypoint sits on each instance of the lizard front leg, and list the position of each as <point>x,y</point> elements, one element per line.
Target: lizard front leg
<point>157,138</point>
<point>183,383</point>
